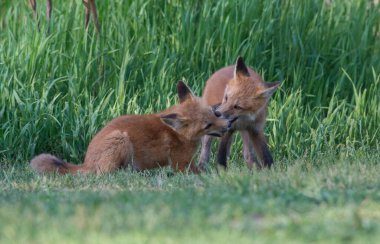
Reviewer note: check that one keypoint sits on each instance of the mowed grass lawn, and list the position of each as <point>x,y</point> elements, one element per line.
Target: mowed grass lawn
<point>327,201</point>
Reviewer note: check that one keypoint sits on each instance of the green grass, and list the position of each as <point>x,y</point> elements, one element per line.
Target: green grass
<point>58,89</point>
<point>336,201</point>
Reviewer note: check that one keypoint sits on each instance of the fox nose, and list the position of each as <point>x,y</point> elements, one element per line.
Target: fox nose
<point>217,113</point>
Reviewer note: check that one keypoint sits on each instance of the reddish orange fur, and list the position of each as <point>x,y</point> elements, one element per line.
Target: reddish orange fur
<point>242,94</point>
<point>145,141</point>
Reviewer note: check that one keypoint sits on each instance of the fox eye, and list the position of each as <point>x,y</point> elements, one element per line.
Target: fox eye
<point>225,98</point>
<point>208,126</point>
<point>237,107</point>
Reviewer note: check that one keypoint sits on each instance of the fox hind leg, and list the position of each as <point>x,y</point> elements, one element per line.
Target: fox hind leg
<point>115,151</point>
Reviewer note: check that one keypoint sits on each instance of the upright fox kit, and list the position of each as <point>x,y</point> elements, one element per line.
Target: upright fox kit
<point>146,141</point>
<point>240,95</point>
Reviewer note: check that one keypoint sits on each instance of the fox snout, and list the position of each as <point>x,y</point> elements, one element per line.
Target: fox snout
<point>215,110</point>
<point>218,133</point>
<point>220,125</point>
<point>224,115</point>
<point>217,114</point>
<point>230,118</point>
<point>220,110</point>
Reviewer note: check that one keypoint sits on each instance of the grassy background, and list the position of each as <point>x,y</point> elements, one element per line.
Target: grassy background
<point>58,89</point>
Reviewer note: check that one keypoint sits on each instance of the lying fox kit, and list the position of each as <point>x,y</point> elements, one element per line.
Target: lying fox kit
<point>146,141</point>
<point>240,95</point>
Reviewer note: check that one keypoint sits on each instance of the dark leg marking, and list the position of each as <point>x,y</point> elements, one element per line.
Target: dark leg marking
<point>261,148</point>
<point>224,148</point>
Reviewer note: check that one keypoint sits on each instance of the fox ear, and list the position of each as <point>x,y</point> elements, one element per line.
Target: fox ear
<point>240,68</point>
<point>172,120</point>
<point>183,91</point>
<point>270,88</point>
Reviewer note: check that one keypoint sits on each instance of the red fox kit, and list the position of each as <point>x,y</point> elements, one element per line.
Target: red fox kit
<point>240,95</point>
<point>146,141</point>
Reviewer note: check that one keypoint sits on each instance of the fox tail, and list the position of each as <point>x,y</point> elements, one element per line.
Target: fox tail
<point>47,163</point>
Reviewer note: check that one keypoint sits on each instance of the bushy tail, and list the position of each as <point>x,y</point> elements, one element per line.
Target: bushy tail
<point>47,163</point>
